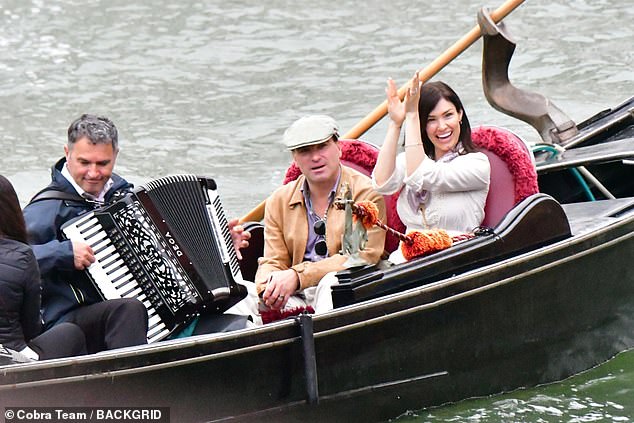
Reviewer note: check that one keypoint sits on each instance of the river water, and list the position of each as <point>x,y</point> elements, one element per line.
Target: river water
<point>208,87</point>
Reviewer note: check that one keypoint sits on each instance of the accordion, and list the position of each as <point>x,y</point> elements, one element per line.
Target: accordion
<point>167,243</point>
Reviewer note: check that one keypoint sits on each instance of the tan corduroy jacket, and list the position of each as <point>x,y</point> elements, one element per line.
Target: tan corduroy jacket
<point>286,231</point>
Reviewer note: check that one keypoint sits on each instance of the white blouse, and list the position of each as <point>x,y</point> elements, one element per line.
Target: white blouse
<point>456,192</point>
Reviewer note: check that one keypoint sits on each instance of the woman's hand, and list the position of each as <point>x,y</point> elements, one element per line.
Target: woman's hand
<point>412,95</point>
<point>414,151</point>
<point>395,108</point>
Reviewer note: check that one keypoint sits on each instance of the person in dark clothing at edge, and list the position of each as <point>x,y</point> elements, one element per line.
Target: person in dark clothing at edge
<point>20,319</point>
<point>86,171</point>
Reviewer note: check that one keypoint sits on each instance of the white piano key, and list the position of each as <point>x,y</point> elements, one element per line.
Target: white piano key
<point>72,233</point>
<point>158,336</point>
<point>101,244</point>
<point>131,292</point>
<point>154,329</point>
<point>124,280</point>
<point>153,321</point>
<point>105,287</point>
<point>148,305</point>
<point>90,231</point>
<point>101,255</point>
<point>122,287</point>
<point>74,226</point>
<point>116,269</point>
<point>111,265</point>
<point>87,220</point>
<point>111,262</point>
<point>92,240</point>
<point>126,288</point>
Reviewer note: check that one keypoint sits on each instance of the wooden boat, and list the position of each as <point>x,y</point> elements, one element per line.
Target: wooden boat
<point>546,293</point>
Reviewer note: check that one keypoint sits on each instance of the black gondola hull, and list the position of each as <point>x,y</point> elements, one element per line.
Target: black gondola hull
<point>534,318</point>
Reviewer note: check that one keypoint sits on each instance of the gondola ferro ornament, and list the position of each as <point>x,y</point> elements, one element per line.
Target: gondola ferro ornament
<point>355,234</point>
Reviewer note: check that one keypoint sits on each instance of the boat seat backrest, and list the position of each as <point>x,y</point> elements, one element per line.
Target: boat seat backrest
<point>513,174</point>
<point>255,250</point>
<point>361,156</point>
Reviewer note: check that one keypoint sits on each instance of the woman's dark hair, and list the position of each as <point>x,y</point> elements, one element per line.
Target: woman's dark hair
<point>11,219</point>
<point>430,94</point>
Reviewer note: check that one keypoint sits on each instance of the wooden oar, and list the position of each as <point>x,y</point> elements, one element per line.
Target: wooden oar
<point>433,68</point>
<point>424,75</point>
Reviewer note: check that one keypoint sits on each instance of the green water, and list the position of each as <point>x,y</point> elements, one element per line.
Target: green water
<point>602,394</point>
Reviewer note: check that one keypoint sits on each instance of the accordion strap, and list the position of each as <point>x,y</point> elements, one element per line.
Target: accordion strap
<point>53,194</point>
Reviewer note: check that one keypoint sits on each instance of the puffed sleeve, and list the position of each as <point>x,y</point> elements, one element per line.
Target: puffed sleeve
<point>396,180</point>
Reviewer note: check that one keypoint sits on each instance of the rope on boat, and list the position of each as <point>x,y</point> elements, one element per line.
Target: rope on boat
<point>555,151</point>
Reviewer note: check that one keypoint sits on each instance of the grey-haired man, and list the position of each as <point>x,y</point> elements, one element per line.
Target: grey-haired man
<point>85,175</point>
<point>82,180</point>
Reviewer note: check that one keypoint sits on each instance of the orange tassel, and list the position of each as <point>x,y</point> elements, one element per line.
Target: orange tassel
<point>414,244</point>
<point>368,212</point>
<point>425,242</point>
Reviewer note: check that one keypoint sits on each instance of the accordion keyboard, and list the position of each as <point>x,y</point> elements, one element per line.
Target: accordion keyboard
<point>166,244</point>
<point>109,272</point>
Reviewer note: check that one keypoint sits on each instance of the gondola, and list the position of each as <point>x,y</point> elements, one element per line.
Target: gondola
<point>544,293</point>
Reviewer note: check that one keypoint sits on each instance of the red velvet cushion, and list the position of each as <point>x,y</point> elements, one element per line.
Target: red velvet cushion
<point>513,174</point>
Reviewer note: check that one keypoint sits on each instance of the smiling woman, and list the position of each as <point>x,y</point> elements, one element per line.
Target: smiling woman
<point>443,181</point>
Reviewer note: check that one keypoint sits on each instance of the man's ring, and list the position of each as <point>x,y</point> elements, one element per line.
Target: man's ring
<point>280,297</point>
<point>413,91</point>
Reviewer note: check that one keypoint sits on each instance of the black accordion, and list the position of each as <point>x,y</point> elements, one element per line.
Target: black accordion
<point>167,244</point>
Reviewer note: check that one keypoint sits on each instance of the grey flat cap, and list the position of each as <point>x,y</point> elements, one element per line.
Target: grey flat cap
<point>310,130</point>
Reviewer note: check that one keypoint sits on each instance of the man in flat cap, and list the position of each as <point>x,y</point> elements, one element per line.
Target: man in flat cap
<point>302,227</point>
